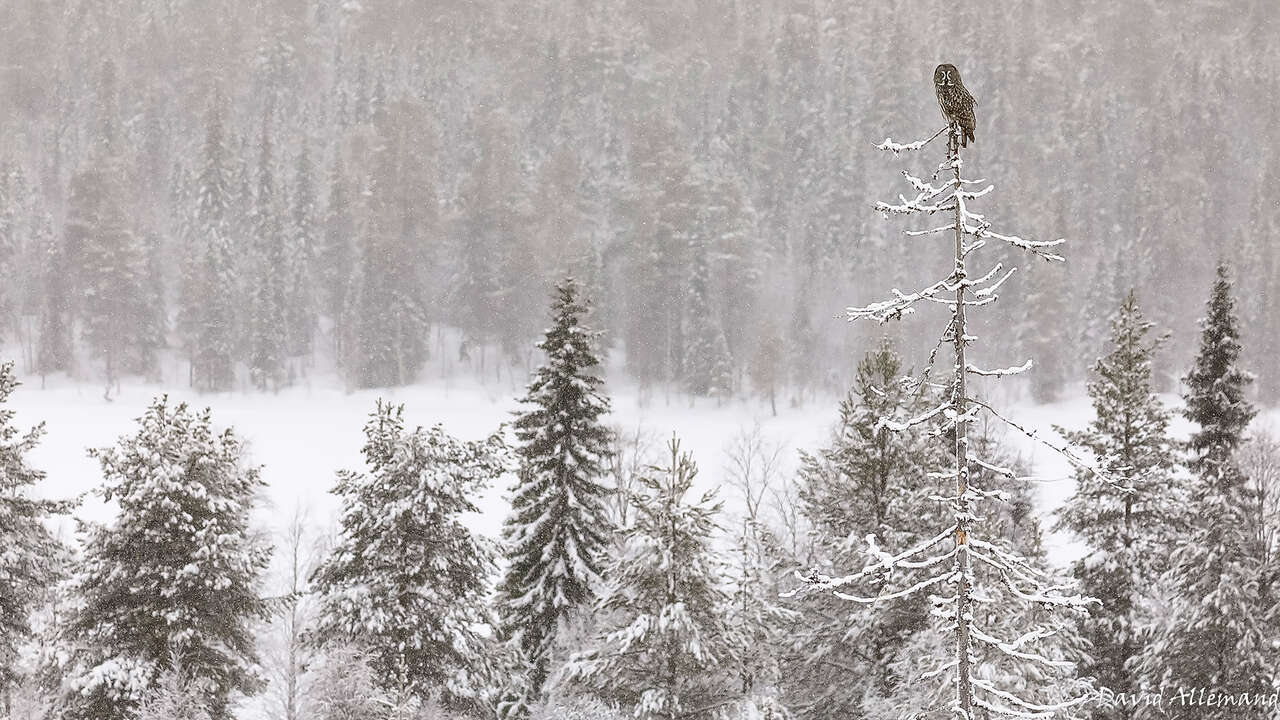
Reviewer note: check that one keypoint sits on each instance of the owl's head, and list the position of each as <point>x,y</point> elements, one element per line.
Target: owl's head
<point>946,76</point>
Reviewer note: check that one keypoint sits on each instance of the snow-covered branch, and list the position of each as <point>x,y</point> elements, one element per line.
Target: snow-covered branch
<point>814,580</point>
<point>1061,448</point>
<point>1000,372</point>
<point>940,292</point>
<point>920,419</point>
<point>897,148</point>
<point>1038,247</point>
<point>1030,710</point>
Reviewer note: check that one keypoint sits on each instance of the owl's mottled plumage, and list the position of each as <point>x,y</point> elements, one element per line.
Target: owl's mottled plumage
<point>955,101</point>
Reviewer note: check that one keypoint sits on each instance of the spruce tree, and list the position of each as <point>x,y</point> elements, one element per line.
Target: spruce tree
<point>558,529</point>
<point>53,352</point>
<point>173,582</point>
<point>9,241</point>
<point>767,365</point>
<point>489,226</point>
<point>665,646</point>
<point>708,369</point>
<point>1215,633</point>
<point>761,625</point>
<point>27,565</point>
<point>1128,524</point>
<point>154,328</point>
<point>406,579</point>
<point>1046,297</point>
<point>268,338</point>
<point>110,257</point>
<point>114,282</point>
<point>868,480</point>
<point>387,315</point>
<point>336,256</point>
<point>301,290</point>
<point>209,308</point>
<point>662,208</point>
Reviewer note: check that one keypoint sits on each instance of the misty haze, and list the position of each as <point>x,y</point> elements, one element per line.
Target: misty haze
<point>701,360</point>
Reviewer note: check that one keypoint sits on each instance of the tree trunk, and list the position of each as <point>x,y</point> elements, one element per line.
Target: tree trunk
<point>959,403</point>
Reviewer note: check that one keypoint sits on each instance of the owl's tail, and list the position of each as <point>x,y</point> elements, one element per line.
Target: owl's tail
<point>967,137</point>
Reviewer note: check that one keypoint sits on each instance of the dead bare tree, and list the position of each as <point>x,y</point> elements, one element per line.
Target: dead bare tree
<point>982,578</point>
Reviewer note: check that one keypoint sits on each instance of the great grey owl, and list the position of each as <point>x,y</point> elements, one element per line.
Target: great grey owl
<point>955,101</point>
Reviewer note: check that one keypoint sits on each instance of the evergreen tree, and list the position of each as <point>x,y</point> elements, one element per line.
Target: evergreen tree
<point>154,331</point>
<point>802,347</point>
<point>406,579</point>
<point>661,210</point>
<point>53,353</point>
<point>1104,290</point>
<point>335,258</point>
<point>866,481</point>
<point>726,221</point>
<point>267,330</point>
<point>1015,523</point>
<point>27,565</point>
<point>1214,634</point>
<point>489,237</point>
<point>9,243</point>
<point>1129,521</point>
<point>1046,298</point>
<point>558,530</point>
<point>114,279</point>
<point>708,369</point>
<point>387,313</point>
<point>173,582</point>
<point>767,366</point>
<point>761,625</point>
<point>301,302</point>
<point>108,257</point>
<point>209,308</point>
<point>665,647</point>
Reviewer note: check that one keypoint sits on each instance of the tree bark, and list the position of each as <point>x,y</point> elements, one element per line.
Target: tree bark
<point>960,404</point>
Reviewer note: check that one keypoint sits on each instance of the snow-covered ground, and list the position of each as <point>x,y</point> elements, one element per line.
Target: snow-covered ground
<point>303,434</point>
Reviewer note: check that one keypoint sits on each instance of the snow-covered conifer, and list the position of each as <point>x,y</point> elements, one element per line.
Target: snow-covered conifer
<point>387,315</point>
<point>767,366</point>
<point>114,278</point>
<point>867,480</point>
<point>208,315</point>
<point>154,328</point>
<point>802,348</point>
<point>761,625</point>
<point>1215,632</point>
<point>268,333</point>
<point>665,646</point>
<point>558,530</point>
<point>30,551</point>
<point>1128,528</point>
<point>662,204</point>
<point>406,579</point>
<point>109,255</point>
<point>1046,296</point>
<point>707,367</point>
<point>336,256</point>
<point>53,352</point>
<point>491,239</point>
<point>301,290</point>
<point>173,582</point>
